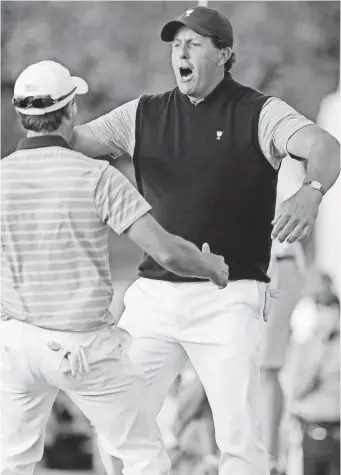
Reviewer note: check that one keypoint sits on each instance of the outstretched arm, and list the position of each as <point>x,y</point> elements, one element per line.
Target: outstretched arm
<point>175,253</point>
<point>112,133</point>
<point>120,205</point>
<point>85,141</point>
<point>296,216</point>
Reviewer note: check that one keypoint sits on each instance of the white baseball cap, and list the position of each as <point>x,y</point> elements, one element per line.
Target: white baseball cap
<point>45,87</point>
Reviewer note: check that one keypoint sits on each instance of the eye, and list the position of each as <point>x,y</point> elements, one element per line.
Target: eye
<point>195,43</point>
<point>176,45</point>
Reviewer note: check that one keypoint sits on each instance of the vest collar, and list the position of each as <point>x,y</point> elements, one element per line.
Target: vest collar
<point>226,85</point>
<point>40,141</point>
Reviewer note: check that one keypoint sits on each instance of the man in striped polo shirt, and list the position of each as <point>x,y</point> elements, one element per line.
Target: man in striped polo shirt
<point>56,330</point>
<point>211,149</point>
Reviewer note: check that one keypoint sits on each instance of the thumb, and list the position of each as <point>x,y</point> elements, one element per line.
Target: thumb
<point>206,248</point>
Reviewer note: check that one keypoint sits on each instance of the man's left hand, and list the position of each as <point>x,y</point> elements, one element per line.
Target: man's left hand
<point>296,216</point>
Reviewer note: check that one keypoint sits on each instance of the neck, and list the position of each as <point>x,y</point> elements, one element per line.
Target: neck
<point>213,85</point>
<point>63,131</point>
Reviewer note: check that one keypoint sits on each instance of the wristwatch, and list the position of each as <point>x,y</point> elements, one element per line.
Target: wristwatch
<point>316,185</point>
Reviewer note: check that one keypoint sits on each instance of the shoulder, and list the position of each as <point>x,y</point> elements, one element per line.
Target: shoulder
<point>155,99</point>
<point>248,99</point>
<point>249,93</point>
<point>155,106</point>
<point>83,161</point>
<point>277,107</point>
<point>5,160</point>
<point>122,113</point>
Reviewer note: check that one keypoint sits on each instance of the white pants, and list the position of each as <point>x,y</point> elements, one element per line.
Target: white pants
<point>111,395</point>
<point>220,331</point>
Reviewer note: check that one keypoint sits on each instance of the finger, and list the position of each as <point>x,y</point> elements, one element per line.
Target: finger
<point>287,229</point>
<point>276,218</point>
<point>304,234</point>
<point>296,233</point>
<point>71,363</point>
<point>80,360</point>
<point>206,248</point>
<point>78,364</point>
<point>281,222</point>
<point>267,306</point>
<point>85,364</point>
<point>223,280</point>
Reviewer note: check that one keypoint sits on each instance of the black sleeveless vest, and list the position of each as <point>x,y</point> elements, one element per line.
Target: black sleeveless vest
<point>202,170</point>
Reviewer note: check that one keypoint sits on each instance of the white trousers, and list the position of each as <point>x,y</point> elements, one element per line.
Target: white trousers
<point>111,395</point>
<point>220,332</point>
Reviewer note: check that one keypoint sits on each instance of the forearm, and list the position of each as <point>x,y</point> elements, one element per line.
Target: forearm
<point>323,164</point>
<point>175,253</point>
<point>183,258</point>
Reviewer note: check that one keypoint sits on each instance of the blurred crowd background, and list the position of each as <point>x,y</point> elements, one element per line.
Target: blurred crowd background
<point>287,49</point>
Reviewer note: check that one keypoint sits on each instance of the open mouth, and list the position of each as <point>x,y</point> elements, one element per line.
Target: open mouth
<point>186,74</point>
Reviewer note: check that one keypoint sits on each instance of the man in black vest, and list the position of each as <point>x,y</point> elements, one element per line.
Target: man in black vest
<point>206,156</point>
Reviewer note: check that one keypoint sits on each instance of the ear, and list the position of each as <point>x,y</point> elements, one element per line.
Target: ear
<point>72,108</point>
<point>224,55</point>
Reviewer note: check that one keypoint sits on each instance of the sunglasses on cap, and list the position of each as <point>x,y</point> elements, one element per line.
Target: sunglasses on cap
<point>38,102</point>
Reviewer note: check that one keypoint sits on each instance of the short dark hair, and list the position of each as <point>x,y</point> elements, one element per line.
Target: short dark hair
<point>220,44</point>
<point>49,122</point>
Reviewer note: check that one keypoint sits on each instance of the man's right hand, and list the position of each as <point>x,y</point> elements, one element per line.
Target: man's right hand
<point>176,254</point>
<point>220,270</point>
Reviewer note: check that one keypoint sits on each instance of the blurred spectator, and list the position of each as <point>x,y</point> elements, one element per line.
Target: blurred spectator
<point>315,382</point>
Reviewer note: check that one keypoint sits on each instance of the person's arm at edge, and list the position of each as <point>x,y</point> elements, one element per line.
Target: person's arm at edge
<point>293,134</point>
<point>298,214</point>
<point>321,151</point>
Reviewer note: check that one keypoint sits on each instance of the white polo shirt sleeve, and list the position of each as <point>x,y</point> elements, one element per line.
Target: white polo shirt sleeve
<point>118,203</point>
<point>277,123</point>
<point>116,130</point>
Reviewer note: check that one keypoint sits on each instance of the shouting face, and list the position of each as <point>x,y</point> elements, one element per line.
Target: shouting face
<point>198,65</point>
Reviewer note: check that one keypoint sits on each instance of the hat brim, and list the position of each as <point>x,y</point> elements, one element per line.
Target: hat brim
<point>81,88</point>
<point>80,84</point>
<point>169,30</point>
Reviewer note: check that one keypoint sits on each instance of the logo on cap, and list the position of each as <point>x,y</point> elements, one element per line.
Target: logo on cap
<point>188,12</point>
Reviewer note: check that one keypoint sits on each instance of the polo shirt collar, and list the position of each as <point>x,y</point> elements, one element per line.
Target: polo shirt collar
<point>40,141</point>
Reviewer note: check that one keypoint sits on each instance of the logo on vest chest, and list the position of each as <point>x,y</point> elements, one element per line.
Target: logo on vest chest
<point>189,12</point>
<point>219,134</point>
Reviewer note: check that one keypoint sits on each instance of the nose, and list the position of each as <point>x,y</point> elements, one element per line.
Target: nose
<point>184,51</point>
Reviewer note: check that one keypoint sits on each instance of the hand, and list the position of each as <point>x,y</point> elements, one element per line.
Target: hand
<point>220,270</point>
<point>296,216</point>
<point>77,361</point>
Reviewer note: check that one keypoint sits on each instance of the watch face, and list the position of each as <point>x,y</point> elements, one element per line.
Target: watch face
<point>316,186</point>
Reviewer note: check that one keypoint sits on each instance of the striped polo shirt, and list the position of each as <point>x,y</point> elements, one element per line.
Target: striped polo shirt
<point>57,206</point>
